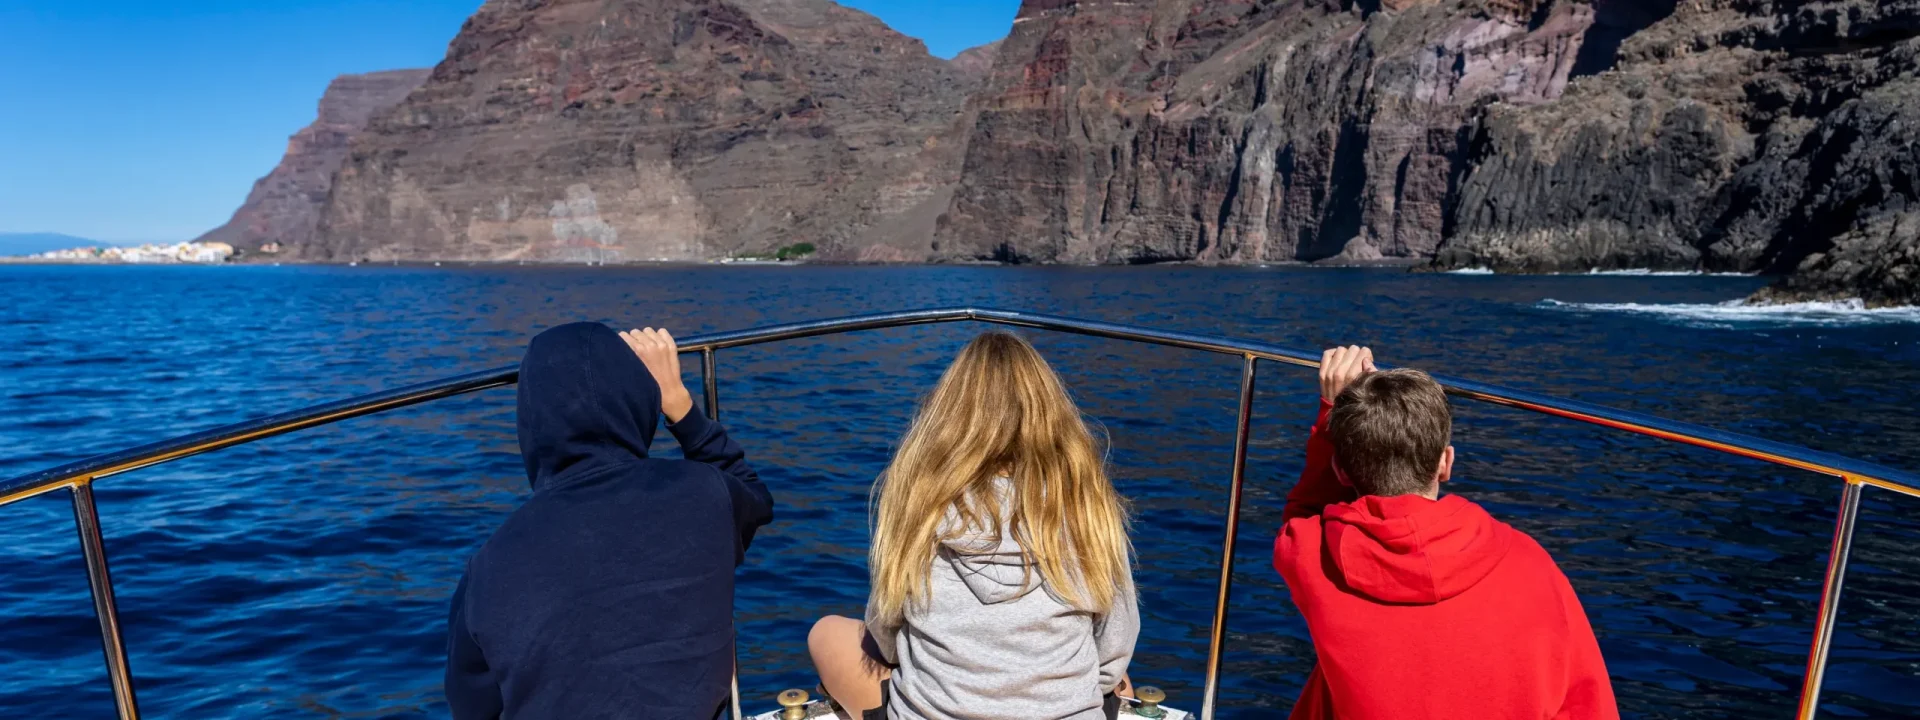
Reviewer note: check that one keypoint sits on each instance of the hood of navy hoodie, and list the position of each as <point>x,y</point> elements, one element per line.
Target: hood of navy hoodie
<point>586,404</point>
<point>1408,549</point>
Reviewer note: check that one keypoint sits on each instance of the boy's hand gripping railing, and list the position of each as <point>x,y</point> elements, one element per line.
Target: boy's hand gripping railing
<point>1855,474</point>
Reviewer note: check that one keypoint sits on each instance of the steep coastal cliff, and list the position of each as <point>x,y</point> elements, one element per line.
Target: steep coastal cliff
<point>1521,135</point>
<point>1775,136</point>
<point>589,131</point>
<point>1242,131</point>
<point>285,205</point>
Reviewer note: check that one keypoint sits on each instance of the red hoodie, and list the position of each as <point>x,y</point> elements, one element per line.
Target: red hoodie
<point>1430,608</point>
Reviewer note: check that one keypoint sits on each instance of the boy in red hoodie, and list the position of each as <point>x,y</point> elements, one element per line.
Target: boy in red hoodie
<point>1421,606</point>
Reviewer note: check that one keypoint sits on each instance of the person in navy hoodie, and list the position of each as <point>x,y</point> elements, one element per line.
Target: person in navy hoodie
<point>609,593</point>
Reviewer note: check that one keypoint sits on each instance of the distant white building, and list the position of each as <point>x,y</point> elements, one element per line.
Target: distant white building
<point>212,252</point>
<point>186,252</point>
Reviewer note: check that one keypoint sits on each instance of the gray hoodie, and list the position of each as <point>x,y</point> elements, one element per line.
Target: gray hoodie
<point>995,644</point>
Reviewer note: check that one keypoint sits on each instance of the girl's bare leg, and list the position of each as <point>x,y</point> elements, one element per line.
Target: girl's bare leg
<point>850,674</point>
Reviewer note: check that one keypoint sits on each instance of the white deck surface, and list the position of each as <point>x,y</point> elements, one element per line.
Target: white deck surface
<point>819,709</point>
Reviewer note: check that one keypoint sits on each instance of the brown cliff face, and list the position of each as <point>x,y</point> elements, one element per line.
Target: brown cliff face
<point>284,206</point>
<point>585,130</point>
<point>1241,130</point>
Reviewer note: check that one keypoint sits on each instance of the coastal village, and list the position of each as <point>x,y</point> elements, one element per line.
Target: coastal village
<point>151,253</point>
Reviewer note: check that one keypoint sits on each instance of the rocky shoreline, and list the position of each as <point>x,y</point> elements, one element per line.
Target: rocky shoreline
<point>1779,137</point>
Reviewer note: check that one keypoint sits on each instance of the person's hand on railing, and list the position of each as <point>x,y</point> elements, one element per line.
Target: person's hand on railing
<point>661,355</point>
<point>1340,366</point>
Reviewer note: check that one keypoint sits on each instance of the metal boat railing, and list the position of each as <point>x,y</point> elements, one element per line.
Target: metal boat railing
<point>1854,475</point>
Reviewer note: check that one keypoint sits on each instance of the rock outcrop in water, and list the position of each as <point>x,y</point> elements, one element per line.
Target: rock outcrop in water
<point>585,130</point>
<point>284,207</point>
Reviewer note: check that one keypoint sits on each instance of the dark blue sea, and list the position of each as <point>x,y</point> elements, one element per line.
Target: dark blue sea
<point>306,576</point>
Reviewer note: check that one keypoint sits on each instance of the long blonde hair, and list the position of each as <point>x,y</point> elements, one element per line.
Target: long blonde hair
<point>999,411</point>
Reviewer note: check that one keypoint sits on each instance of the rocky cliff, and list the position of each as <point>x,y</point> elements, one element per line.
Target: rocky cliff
<point>1735,135</point>
<point>1525,135</point>
<point>1772,136</point>
<point>1241,130</point>
<point>586,130</point>
<point>284,206</point>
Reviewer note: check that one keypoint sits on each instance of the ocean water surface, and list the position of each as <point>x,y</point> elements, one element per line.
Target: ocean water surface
<point>307,575</point>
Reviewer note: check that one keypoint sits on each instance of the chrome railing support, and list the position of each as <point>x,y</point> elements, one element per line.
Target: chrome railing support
<point>86,518</point>
<point>1218,638</point>
<point>1830,597</point>
<point>711,380</point>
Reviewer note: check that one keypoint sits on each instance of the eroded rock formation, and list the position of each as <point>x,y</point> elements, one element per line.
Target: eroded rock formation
<point>285,205</point>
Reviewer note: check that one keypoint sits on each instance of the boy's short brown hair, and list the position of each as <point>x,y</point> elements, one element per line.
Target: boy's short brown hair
<point>1389,429</point>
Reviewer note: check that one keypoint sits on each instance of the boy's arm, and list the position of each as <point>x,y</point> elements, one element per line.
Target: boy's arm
<point>1319,485</point>
<point>703,440</point>
<point>471,691</point>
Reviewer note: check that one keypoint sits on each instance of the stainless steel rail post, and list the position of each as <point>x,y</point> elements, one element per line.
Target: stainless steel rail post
<point>1830,597</point>
<point>86,518</point>
<point>1218,638</point>
<point>710,382</point>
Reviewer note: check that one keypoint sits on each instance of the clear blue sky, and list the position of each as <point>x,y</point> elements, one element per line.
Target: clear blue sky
<point>143,120</point>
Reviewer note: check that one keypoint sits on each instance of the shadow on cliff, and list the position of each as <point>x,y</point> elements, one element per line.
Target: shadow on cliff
<point>1613,22</point>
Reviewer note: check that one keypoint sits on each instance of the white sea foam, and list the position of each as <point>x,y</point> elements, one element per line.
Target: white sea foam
<point>1740,313</point>
<point>1643,272</point>
<point>1638,272</point>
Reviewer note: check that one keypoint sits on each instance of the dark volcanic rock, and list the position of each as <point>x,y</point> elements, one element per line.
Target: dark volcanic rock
<point>1732,135</point>
<point>284,207</point>
<point>1241,130</point>
<point>1841,204</point>
<point>588,130</point>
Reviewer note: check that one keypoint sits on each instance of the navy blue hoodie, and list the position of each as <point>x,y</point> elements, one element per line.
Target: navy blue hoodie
<point>610,592</point>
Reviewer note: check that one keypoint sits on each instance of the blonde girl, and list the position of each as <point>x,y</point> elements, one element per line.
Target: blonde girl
<point>1002,584</point>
